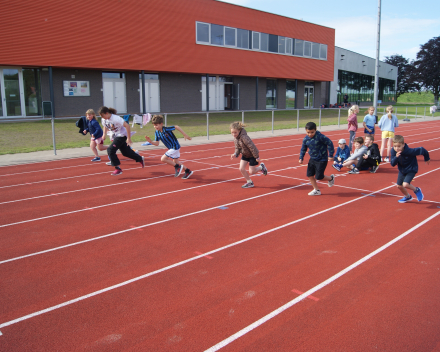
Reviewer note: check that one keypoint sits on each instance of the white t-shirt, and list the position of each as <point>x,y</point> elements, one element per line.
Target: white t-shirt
<point>115,124</point>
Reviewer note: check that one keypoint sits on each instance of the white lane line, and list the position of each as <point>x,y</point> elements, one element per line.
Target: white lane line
<point>184,261</point>
<point>288,305</point>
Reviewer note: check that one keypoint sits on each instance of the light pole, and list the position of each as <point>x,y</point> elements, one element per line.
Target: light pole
<point>376,72</point>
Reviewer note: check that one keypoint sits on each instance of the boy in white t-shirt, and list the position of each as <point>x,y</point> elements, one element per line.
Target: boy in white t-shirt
<point>122,138</point>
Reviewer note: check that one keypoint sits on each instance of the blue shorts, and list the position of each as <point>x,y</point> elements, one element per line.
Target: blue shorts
<point>401,178</point>
<point>371,128</point>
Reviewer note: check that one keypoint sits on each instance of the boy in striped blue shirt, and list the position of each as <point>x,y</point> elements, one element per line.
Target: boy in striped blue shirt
<point>166,135</point>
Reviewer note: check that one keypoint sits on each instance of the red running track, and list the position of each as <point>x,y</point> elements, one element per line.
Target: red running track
<point>148,262</point>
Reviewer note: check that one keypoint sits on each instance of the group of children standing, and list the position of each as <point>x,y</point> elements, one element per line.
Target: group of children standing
<point>366,155</point>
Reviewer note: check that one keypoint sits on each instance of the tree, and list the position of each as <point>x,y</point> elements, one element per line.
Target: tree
<point>427,66</point>
<point>405,74</point>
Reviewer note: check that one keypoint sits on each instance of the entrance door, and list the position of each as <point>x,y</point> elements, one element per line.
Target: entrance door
<point>152,97</point>
<point>219,95</point>
<point>11,92</point>
<point>308,97</point>
<point>114,91</point>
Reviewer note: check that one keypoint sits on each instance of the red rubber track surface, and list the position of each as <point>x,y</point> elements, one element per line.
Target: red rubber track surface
<point>148,262</point>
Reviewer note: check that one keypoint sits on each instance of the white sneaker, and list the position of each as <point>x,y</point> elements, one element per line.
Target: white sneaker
<point>315,192</point>
<point>332,181</point>
<point>109,163</point>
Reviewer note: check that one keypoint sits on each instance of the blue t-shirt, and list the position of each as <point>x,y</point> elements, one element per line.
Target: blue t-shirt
<point>167,137</point>
<point>370,120</point>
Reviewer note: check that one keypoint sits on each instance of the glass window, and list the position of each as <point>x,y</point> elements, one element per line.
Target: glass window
<point>243,38</point>
<point>273,43</point>
<point>32,91</point>
<point>264,42</point>
<point>113,75</point>
<point>289,46</point>
<point>211,78</point>
<point>149,76</point>
<point>202,32</point>
<point>299,47</point>
<point>217,34</point>
<point>271,94</point>
<point>12,92</point>
<point>290,94</point>
<point>255,40</point>
<point>282,45</point>
<point>307,49</point>
<point>315,50</point>
<point>230,36</point>
<point>323,53</point>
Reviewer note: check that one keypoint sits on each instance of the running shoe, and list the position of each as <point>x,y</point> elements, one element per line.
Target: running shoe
<point>315,192</point>
<point>336,166</point>
<point>109,163</point>
<point>96,159</point>
<point>332,181</point>
<point>142,162</point>
<point>419,194</point>
<point>248,185</point>
<point>354,171</point>
<point>116,172</point>
<point>263,169</point>
<point>405,199</point>
<point>374,169</point>
<point>188,173</point>
<point>178,169</point>
<point>387,159</point>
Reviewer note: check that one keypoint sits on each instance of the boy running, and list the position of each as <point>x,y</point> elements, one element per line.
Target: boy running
<point>318,144</point>
<point>166,135</point>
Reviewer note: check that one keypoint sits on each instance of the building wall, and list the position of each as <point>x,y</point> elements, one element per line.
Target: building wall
<point>281,94</point>
<point>300,94</point>
<point>132,93</point>
<point>248,86</point>
<point>180,92</point>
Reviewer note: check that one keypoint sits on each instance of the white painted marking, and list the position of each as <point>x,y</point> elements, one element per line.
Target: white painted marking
<point>290,304</point>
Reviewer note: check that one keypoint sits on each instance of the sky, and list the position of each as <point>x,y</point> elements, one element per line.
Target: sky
<point>405,24</point>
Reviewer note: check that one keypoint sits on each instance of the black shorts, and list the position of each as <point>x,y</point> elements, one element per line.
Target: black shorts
<point>401,178</point>
<point>316,168</point>
<point>252,161</point>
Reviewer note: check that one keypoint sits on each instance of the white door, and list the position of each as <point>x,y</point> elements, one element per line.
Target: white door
<point>216,95</point>
<point>114,94</point>
<point>152,97</point>
<point>308,97</point>
<point>11,93</point>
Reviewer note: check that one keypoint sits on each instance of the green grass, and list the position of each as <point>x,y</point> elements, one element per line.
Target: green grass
<point>30,136</point>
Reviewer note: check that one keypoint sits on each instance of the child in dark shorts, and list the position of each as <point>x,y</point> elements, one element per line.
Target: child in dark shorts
<point>249,153</point>
<point>318,144</point>
<point>406,160</point>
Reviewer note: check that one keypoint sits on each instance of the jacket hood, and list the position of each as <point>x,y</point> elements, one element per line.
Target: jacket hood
<point>242,133</point>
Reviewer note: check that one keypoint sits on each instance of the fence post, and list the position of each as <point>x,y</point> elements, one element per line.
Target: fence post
<point>273,112</point>
<point>166,120</point>
<point>242,117</point>
<point>297,120</point>
<point>416,113</point>
<point>207,125</point>
<point>406,116</point>
<point>339,118</point>
<point>320,118</point>
<point>424,114</point>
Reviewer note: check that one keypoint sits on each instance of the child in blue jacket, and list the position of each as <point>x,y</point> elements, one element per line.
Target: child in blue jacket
<point>406,160</point>
<point>342,153</point>
<point>96,133</point>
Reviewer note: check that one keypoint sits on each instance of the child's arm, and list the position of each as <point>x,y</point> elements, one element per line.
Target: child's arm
<point>420,151</point>
<point>181,131</point>
<point>330,146</point>
<point>156,143</point>
<point>248,142</point>
<point>127,127</point>
<point>303,151</point>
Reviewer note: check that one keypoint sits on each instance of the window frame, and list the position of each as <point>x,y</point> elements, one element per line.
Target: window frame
<point>235,37</point>
<point>209,33</point>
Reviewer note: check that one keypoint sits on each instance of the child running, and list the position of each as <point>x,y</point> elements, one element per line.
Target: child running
<point>406,160</point>
<point>371,159</point>
<point>342,154</point>
<point>121,141</point>
<point>96,134</point>
<point>166,135</point>
<point>249,153</point>
<point>360,150</point>
<point>352,124</point>
<point>318,144</point>
<point>387,124</point>
<point>369,121</point>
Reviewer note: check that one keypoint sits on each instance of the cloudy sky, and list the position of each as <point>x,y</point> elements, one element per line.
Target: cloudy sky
<point>405,24</point>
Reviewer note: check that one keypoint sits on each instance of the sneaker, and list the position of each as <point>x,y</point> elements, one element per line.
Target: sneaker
<point>405,199</point>
<point>374,169</point>
<point>387,159</point>
<point>187,175</point>
<point>136,151</point>
<point>332,181</point>
<point>353,171</point>
<point>109,163</point>
<point>248,185</point>
<point>116,172</point>
<point>178,169</point>
<point>96,159</point>
<point>315,192</point>
<point>142,162</point>
<point>419,194</point>
<point>337,167</point>
<point>263,169</point>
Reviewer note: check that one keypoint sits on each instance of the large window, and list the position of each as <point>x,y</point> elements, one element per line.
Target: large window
<point>271,94</point>
<point>32,91</point>
<point>217,34</point>
<point>290,94</point>
<point>230,36</point>
<point>242,38</point>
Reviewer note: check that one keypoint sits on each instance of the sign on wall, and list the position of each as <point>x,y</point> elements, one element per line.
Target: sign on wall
<point>76,88</point>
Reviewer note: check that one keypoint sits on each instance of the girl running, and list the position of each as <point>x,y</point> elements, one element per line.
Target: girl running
<point>96,134</point>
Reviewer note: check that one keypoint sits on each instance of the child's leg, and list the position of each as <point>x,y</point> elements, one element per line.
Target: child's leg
<point>352,137</point>
<point>349,163</point>
<point>313,182</point>
<point>128,152</point>
<point>382,146</point>
<point>93,147</point>
<point>102,147</point>
<point>254,169</point>
<point>409,186</point>
<point>390,142</point>
<point>111,151</point>
<point>242,168</point>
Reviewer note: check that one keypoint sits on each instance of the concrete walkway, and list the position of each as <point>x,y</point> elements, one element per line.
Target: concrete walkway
<point>48,155</point>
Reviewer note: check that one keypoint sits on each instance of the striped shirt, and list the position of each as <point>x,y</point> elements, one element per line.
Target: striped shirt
<point>167,137</point>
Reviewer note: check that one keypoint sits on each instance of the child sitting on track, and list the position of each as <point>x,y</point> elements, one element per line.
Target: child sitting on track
<point>371,159</point>
<point>360,150</point>
<point>122,138</point>
<point>342,153</point>
<point>166,135</point>
<point>318,144</point>
<point>249,153</point>
<point>406,160</point>
<point>96,134</point>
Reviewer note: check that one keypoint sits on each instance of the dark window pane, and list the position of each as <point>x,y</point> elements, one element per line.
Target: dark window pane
<point>315,50</point>
<point>230,36</point>
<point>323,54</point>
<point>242,38</point>
<point>307,49</point>
<point>203,32</point>
<point>273,43</point>
<point>256,41</point>
<point>216,34</point>
<point>299,47</point>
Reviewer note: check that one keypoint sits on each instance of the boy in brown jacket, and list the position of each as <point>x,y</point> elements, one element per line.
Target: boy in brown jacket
<point>249,153</point>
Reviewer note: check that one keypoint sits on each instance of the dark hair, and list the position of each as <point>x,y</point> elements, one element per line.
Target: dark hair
<point>157,119</point>
<point>311,126</point>
<point>359,140</point>
<point>105,110</point>
<point>398,139</point>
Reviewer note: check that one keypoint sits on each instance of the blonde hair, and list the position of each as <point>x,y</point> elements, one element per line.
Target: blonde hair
<point>390,110</point>
<point>352,110</point>
<point>370,108</point>
<point>91,112</point>
<point>237,125</point>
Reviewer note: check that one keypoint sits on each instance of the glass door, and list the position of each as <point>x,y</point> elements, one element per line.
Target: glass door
<point>12,98</point>
<point>308,97</point>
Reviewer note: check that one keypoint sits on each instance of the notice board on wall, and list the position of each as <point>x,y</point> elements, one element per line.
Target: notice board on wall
<point>76,88</point>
